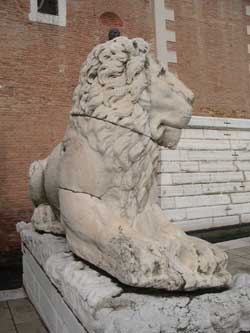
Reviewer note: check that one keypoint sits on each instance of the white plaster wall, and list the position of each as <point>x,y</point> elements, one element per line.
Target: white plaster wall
<point>163,35</point>
<point>205,183</point>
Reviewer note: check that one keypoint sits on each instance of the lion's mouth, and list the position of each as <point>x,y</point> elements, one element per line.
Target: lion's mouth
<point>170,137</point>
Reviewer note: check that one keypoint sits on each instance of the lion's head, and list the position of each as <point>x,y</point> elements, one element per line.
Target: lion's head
<point>121,83</point>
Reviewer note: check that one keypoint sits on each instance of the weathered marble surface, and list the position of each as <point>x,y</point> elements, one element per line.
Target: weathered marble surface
<point>99,185</point>
<point>104,306</point>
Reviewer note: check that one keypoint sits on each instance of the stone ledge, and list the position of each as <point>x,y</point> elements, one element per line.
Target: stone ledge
<point>56,282</point>
<point>219,123</point>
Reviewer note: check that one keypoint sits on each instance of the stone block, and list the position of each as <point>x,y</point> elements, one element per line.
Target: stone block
<point>197,224</point>
<point>176,214</point>
<point>168,191</point>
<point>47,300</point>
<point>173,155</point>
<point>190,178</point>
<point>167,203</point>
<point>190,133</point>
<point>47,310</point>
<point>240,197</point>
<point>180,190</point>
<point>245,218</point>
<point>219,123</point>
<point>165,179</point>
<point>218,177</point>
<point>189,166</point>
<point>192,189</point>
<point>214,134</point>
<point>129,310</point>
<point>242,165</point>
<point>208,166</point>
<point>225,221</point>
<point>223,187</point>
<point>200,212</point>
<point>238,208</point>
<point>170,36</point>
<point>169,167</point>
<point>202,200</point>
<point>242,156</point>
<point>211,155</point>
<point>239,145</point>
<point>169,14</point>
<point>205,144</point>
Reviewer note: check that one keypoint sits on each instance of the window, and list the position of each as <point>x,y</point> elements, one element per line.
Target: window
<point>48,11</point>
<point>47,7</point>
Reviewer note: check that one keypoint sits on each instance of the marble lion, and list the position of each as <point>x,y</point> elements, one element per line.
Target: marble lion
<point>99,186</point>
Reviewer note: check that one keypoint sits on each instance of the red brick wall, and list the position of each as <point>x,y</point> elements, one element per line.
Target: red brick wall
<point>39,66</point>
<point>212,54</point>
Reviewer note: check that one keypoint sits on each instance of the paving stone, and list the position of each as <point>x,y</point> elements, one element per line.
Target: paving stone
<point>31,327</point>
<point>4,311</point>
<point>233,244</point>
<point>22,311</point>
<point>7,325</point>
<point>237,267</point>
<point>241,252</point>
<point>232,258</point>
<point>242,260</point>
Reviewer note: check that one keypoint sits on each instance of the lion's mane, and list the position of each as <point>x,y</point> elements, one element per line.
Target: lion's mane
<point>113,87</point>
<point>113,84</point>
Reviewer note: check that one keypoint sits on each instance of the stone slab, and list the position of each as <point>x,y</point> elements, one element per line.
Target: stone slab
<point>9,294</point>
<point>219,123</point>
<point>77,293</point>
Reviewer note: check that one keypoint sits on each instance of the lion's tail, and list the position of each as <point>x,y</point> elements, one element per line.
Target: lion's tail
<point>36,182</point>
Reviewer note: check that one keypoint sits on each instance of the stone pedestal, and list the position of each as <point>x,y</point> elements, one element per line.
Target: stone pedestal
<point>72,296</point>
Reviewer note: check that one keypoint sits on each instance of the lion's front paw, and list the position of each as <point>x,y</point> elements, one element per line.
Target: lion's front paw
<point>184,263</point>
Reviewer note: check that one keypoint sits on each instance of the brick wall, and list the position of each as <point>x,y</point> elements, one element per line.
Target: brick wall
<point>39,67</point>
<point>212,54</point>
<point>205,183</point>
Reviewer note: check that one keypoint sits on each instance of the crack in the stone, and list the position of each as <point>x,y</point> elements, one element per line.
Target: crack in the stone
<point>116,124</point>
<point>81,192</point>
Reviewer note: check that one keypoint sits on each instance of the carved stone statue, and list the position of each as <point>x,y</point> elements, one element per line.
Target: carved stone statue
<point>99,185</point>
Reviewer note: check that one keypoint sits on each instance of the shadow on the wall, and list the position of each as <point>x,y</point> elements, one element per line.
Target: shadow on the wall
<point>222,234</point>
<point>10,270</point>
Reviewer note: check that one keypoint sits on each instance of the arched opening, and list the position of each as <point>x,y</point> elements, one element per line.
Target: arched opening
<point>110,20</point>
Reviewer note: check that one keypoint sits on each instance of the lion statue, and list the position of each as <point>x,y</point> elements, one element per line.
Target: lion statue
<point>99,186</point>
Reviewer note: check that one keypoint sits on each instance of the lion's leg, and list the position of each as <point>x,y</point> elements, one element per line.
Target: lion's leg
<point>36,182</point>
<point>164,258</point>
<point>45,215</point>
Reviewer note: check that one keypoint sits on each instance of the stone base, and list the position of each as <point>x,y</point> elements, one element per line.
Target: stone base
<point>71,296</point>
